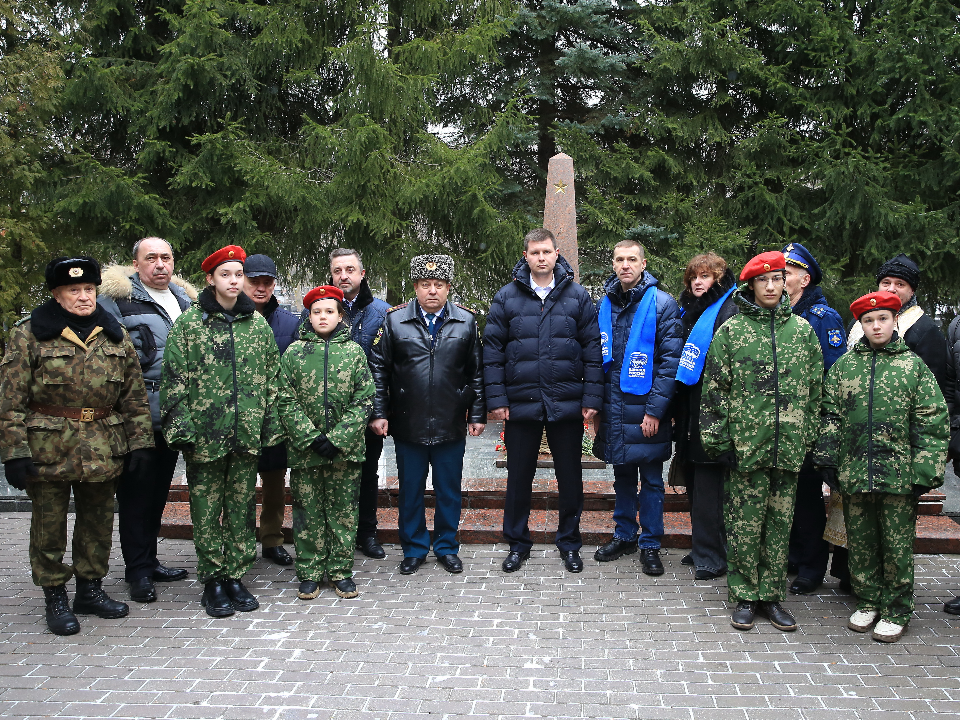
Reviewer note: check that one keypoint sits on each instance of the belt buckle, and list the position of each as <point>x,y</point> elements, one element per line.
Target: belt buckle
<point>86,414</point>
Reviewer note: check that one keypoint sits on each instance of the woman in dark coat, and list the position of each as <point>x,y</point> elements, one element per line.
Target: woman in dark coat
<point>708,283</point>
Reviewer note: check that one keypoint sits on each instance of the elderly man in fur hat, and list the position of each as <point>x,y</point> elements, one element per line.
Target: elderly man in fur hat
<point>146,297</point>
<point>426,367</point>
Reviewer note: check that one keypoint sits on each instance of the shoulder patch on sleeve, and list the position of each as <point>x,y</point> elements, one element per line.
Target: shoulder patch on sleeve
<point>835,338</point>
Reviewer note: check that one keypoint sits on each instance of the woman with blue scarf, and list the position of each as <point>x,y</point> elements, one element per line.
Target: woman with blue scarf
<point>705,303</point>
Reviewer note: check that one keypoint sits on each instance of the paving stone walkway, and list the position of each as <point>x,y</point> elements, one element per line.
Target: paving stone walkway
<point>607,643</point>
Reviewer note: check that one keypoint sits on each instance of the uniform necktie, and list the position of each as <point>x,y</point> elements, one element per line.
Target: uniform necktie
<point>431,319</point>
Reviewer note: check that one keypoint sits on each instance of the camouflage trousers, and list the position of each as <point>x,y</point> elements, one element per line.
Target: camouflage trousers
<point>224,514</point>
<point>758,509</point>
<point>325,514</point>
<point>92,530</point>
<point>880,532</point>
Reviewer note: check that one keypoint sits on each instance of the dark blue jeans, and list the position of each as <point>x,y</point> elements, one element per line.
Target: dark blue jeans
<point>641,512</point>
<point>413,460</point>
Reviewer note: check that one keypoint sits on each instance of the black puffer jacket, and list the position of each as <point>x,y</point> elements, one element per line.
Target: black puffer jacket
<point>542,360</point>
<point>688,397</point>
<point>428,391</point>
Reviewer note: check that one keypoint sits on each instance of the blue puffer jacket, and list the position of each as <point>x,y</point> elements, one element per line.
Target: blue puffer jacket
<point>122,294</point>
<point>542,360</point>
<point>283,323</point>
<point>620,440</point>
<point>365,317</point>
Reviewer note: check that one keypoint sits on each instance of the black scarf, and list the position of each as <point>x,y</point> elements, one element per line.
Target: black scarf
<point>48,320</point>
<point>209,304</point>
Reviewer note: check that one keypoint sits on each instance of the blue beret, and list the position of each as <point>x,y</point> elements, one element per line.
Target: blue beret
<point>797,254</point>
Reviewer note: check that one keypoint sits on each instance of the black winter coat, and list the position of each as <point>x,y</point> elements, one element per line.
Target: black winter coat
<point>428,391</point>
<point>688,397</point>
<point>542,360</point>
<point>620,440</point>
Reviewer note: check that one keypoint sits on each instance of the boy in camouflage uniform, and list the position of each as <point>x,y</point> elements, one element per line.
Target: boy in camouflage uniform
<point>72,406</point>
<point>760,415</point>
<point>218,406</point>
<point>326,397</point>
<point>884,438</point>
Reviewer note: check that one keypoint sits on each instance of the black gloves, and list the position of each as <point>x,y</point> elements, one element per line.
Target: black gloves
<point>828,476</point>
<point>919,490</point>
<point>19,472</point>
<point>324,448</point>
<point>954,445</point>
<point>728,459</point>
<point>138,461</point>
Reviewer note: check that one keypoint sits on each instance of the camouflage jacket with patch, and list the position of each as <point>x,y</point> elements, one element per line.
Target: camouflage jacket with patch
<point>325,388</point>
<point>884,425</point>
<point>218,388</point>
<point>763,379</point>
<point>66,372</point>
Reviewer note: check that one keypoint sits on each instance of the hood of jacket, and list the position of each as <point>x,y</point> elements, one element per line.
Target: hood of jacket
<point>210,306</point>
<point>894,347</point>
<point>561,273</point>
<point>614,290</point>
<point>117,283</point>
<point>341,333</point>
<point>693,306</point>
<point>748,306</point>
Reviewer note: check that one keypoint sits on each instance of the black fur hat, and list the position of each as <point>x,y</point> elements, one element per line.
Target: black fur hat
<point>67,271</point>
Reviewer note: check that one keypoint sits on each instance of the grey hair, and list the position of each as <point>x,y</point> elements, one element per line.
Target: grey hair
<point>344,252</point>
<point>136,245</point>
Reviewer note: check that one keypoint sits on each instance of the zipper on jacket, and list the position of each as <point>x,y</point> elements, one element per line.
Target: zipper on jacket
<point>326,362</point>
<point>236,390</point>
<point>776,388</point>
<point>873,370</point>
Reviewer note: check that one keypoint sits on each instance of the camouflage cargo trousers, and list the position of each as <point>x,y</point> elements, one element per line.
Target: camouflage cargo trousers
<point>325,514</point>
<point>224,516</point>
<point>92,530</point>
<point>880,532</point>
<point>758,509</point>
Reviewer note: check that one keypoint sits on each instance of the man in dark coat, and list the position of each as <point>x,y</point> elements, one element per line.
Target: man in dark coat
<point>259,283</point>
<point>426,367</point>
<point>542,370</point>
<point>809,552</point>
<point>146,298</point>
<point>365,313</point>
<point>635,433</point>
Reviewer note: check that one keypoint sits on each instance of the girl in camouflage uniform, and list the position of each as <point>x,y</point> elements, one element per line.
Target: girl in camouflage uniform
<point>326,397</point>
<point>883,443</point>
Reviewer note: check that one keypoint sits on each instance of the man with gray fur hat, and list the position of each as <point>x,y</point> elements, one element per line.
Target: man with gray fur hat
<point>426,367</point>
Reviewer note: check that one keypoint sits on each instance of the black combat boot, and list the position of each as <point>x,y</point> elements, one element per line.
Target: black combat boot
<point>215,599</point>
<point>92,600</point>
<point>60,619</point>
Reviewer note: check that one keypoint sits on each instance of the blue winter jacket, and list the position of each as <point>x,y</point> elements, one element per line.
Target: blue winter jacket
<point>620,440</point>
<point>122,294</point>
<point>285,326</point>
<point>826,323</point>
<point>542,360</point>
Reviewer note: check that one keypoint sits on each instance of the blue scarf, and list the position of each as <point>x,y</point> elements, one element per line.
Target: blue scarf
<point>695,351</point>
<point>636,374</point>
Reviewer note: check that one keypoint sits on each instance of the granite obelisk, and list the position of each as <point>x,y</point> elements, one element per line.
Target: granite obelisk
<point>560,209</point>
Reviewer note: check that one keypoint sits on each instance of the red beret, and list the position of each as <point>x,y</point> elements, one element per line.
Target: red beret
<point>875,301</point>
<point>324,292</point>
<point>762,263</point>
<point>230,253</point>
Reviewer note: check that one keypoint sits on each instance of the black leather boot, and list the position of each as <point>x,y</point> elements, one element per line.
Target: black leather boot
<point>92,600</point>
<point>215,599</point>
<point>60,619</point>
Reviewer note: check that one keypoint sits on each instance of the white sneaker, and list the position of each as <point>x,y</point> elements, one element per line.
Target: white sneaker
<point>886,631</point>
<point>863,620</point>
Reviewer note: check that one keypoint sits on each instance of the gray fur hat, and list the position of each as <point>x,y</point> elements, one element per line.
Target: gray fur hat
<point>432,267</point>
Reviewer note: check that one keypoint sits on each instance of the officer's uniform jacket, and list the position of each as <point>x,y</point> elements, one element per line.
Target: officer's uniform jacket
<point>826,323</point>
<point>46,364</point>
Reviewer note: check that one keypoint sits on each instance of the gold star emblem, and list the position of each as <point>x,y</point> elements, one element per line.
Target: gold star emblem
<point>431,266</point>
<point>873,301</point>
<point>561,187</point>
<point>323,291</point>
<point>230,254</point>
<point>766,266</point>
<point>790,247</point>
<point>76,272</point>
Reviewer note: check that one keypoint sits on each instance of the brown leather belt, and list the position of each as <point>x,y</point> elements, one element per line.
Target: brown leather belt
<point>73,413</point>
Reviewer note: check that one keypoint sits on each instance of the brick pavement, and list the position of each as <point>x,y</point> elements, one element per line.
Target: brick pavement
<point>608,643</point>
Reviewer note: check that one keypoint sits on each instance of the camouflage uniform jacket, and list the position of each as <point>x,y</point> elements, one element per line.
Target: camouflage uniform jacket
<point>219,384</point>
<point>884,425</point>
<point>762,384</point>
<point>325,388</point>
<point>63,371</point>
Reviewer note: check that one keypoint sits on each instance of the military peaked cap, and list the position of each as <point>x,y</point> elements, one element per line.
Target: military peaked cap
<point>797,254</point>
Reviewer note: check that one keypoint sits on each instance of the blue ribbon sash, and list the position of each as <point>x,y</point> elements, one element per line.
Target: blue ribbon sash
<point>695,350</point>
<point>636,373</point>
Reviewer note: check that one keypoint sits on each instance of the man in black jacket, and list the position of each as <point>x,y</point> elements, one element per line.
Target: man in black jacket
<point>426,366</point>
<point>542,369</point>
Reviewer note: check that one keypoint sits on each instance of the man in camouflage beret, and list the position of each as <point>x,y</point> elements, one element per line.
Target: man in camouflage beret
<point>72,407</point>
<point>426,367</point>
